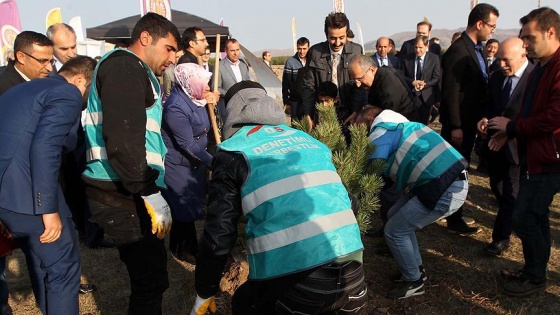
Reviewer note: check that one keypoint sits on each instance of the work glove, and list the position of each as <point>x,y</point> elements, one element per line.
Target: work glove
<point>201,306</point>
<point>159,212</point>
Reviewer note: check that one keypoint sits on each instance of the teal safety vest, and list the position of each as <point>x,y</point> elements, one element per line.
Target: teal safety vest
<point>422,155</point>
<point>297,209</point>
<point>98,166</point>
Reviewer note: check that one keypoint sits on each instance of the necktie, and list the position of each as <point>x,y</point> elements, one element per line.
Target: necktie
<point>383,63</point>
<point>490,60</point>
<point>334,77</point>
<point>418,69</point>
<point>506,91</point>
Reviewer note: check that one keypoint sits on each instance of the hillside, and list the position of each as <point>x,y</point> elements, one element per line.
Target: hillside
<point>443,34</point>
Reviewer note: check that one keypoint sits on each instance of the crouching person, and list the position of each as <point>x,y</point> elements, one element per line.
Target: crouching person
<point>303,243</point>
<point>434,175</point>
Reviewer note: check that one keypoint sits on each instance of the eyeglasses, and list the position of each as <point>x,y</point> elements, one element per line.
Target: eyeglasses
<point>41,61</point>
<point>362,77</point>
<point>492,26</point>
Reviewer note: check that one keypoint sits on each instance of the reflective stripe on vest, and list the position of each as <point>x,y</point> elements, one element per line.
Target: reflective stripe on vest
<point>294,201</point>
<point>421,156</point>
<point>98,166</point>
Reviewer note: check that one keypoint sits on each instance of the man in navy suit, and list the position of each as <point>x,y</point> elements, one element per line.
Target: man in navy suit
<point>38,124</point>
<point>505,96</point>
<point>422,72</point>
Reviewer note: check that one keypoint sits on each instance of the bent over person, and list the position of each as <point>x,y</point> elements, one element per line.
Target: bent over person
<point>302,237</point>
<point>38,124</point>
<point>433,171</point>
<point>125,151</point>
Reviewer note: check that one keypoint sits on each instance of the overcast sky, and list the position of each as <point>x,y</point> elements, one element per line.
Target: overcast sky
<point>266,24</point>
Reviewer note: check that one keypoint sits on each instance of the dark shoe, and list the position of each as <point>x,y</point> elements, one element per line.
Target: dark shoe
<point>511,274</point>
<point>434,112</point>
<point>87,288</point>
<point>520,287</point>
<point>104,243</point>
<point>373,232</point>
<point>462,228</point>
<point>406,289</point>
<point>398,277</point>
<point>496,248</point>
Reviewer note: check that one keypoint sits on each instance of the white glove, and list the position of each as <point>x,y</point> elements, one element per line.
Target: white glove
<point>159,211</point>
<point>201,306</point>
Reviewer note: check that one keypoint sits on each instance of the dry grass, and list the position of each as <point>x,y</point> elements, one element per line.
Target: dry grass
<point>462,279</point>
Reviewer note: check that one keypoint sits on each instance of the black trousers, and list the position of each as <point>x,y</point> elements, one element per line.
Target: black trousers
<point>504,182</point>
<point>141,251</point>
<point>329,289</point>
<point>466,150</point>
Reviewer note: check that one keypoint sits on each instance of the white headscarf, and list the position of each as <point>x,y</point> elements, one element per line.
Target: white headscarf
<point>193,79</point>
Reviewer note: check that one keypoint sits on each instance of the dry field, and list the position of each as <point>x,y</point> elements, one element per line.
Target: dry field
<point>462,280</point>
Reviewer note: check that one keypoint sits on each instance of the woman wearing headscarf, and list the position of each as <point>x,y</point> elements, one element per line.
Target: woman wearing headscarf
<point>184,130</point>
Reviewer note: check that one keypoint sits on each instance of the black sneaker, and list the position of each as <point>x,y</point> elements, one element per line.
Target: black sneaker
<point>462,228</point>
<point>521,287</point>
<point>398,277</point>
<point>405,289</point>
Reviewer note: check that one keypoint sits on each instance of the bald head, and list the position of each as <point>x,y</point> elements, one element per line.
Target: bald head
<point>383,46</point>
<point>512,55</point>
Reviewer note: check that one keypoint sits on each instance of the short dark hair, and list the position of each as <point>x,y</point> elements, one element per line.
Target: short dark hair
<point>79,65</point>
<point>188,35</point>
<point>545,17</point>
<point>264,53</point>
<point>392,42</point>
<point>302,41</point>
<point>327,88</point>
<point>492,41</point>
<point>25,40</point>
<point>425,23</point>
<point>350,34</point>
<point>481,12</point>
<point>230,40</point>
<point>336,20</point>
<point>157,26</point>
<point>424,39</point>
<point>370,112</point>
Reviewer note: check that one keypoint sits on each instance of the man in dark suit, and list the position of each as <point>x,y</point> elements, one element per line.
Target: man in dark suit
<point>422,72</point>
<point>464,80</point>
<point>329,61</point>
<point>381,58</point>
<point>386,86</point>
<point>505,95</point>
<point>194,43</point>
<point>33,59</point>
<point>38,123</point>
<point>423,28</point>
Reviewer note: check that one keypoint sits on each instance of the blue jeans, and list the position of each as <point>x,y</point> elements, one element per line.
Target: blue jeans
<point>531,221</point>
<point>409,215</point>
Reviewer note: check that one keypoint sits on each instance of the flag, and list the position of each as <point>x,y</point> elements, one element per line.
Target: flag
<point>473,3</point>
<point>294,34</point>
<point>221,22</point>
<point>76,23</point>
<point>10,26</point>
<point>338,6</point>
<point>53,16</point>
<point>222,54</point>
<point>360,36</point>
<point>161,7</point>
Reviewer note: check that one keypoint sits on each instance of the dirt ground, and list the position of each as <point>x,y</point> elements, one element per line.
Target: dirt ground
<point>462,280</point>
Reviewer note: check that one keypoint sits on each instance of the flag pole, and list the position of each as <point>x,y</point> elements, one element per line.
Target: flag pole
<point>211,106</point>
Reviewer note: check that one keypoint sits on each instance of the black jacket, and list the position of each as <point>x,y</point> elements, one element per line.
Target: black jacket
<point>229,172</point>
<point>388,91</point>
<point>9,78</point>
<point>319,69</point>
